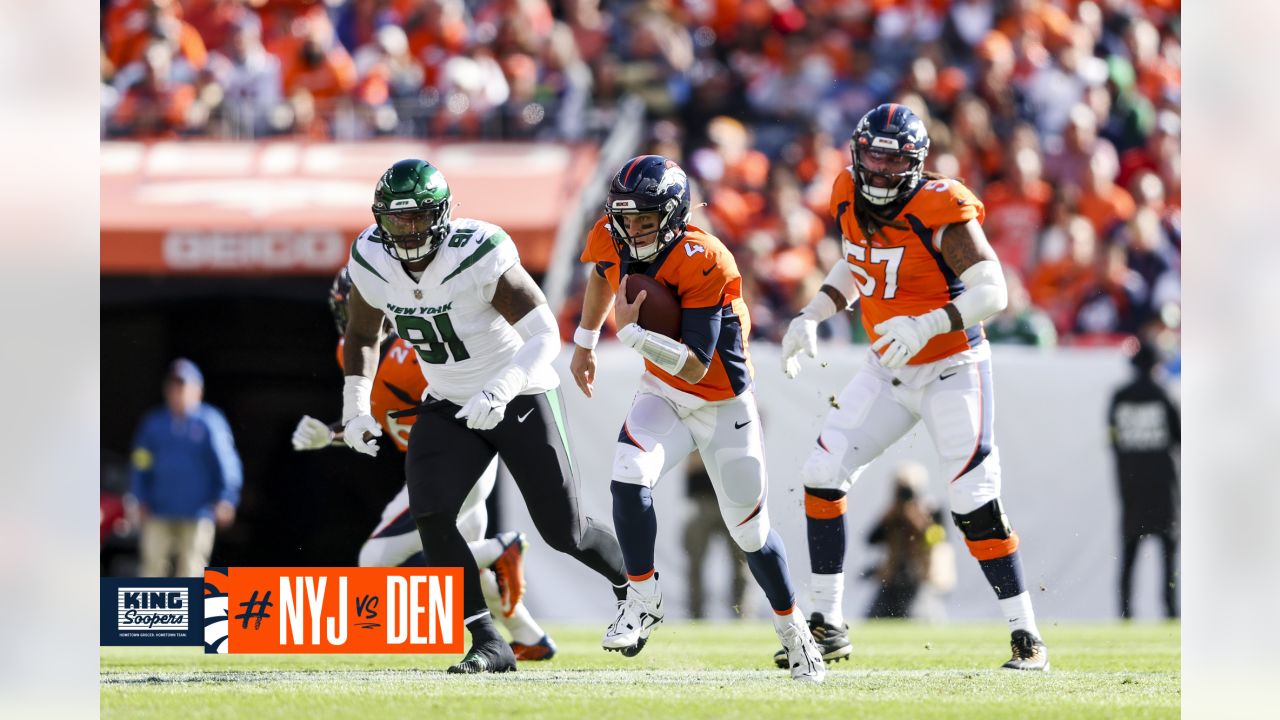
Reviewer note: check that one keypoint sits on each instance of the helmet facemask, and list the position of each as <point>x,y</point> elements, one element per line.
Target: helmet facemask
<point>898,169</point>
<point>412,233</point>
<point>664,230</point>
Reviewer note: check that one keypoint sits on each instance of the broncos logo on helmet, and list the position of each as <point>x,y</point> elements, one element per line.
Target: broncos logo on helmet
<point>648,184</point>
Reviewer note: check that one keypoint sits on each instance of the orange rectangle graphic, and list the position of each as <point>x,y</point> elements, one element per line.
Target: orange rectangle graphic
<point>333,610</point>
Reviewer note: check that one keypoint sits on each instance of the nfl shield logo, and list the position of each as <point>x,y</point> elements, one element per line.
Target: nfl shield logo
<point>417,294</point>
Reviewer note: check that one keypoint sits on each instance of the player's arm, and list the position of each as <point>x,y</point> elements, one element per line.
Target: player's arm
<point>802,333</point>
<point>519,300</point>
<point>596,303</point>
<point>360,364</point>
<point>967,253</point>
<point>671,355</point>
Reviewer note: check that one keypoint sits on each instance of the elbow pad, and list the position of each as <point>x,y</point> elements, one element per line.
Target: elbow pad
<point>541,345</point>
<point>659,349</point>
<point>985,292</point>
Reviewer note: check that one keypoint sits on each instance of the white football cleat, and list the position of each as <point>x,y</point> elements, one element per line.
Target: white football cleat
<point>637,616</point>
<point>803,655</point>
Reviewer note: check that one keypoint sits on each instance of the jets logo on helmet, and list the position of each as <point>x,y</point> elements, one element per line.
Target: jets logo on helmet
<point>411,206</point>
<point>648,184</point>
<point>889,147</point>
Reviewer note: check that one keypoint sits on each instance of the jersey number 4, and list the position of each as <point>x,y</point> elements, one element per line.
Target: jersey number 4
<point>435,342</point>
<point>858,265</point>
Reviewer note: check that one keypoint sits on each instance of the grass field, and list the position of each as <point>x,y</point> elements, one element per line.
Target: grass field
<point>691,670</point>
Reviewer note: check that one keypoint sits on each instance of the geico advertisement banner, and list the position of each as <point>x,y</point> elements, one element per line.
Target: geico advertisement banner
<point>333,610</point>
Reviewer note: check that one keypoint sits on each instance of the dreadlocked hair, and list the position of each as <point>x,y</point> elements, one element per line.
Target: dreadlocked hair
<point>873,219</point>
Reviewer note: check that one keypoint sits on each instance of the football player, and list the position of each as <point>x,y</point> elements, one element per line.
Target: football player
<point>398,386</point>
<point>916,259</point>
<point>696,393</point>
<point>455,291</point>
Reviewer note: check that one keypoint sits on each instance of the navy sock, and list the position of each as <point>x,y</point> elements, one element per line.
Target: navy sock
<point>824,518</point>
<point>636,524</point>
<point>1005,575</point>
<point>769,566</point>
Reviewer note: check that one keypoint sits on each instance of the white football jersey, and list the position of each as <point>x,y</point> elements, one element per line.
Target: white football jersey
<point>447,315</point>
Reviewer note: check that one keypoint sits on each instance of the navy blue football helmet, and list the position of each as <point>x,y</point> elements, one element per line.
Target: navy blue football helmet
<point>895,141</point>
<point>648,184</point>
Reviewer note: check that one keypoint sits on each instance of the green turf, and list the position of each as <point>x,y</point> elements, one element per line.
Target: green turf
<point>897,670</point>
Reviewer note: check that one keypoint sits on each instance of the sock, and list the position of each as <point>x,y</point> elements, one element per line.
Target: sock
<point>769,566</point>
<point>1005,575</point>
<point>482,629</point>
<point>824,520</point>
<point>523,628</point>
<point>492,596</point>
<point>828,597</point>
<point>782,620</point>
<point>487,551</point>
<point>1017,610</point>
<point>648,586</point>
<point>637,526</point>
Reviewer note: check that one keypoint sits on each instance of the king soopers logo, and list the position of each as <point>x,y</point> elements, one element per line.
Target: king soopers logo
<point>153,609</point>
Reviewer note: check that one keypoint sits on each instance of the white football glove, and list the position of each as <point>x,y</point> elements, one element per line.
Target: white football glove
<point>802,336</point>
<point>311,434</point>
<point>353,434</point>
<point>907,335</point>
<point>483,411</point>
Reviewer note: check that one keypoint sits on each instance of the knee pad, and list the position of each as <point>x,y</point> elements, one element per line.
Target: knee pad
<point>634,466</point>
<point>752,533</point>
<point>822,470</point>
<point>987,531</point>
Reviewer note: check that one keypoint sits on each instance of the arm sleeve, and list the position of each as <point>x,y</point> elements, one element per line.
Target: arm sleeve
<point>700,330</point>
<point>230,470</point>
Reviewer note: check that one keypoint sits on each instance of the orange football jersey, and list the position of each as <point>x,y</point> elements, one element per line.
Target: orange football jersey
<point>398,385</point>
<point>907,275</point>
<point>702,273</point>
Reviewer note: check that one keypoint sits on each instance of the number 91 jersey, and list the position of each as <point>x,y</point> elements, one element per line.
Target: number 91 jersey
<point>447,315</point>
<point>902,271</point>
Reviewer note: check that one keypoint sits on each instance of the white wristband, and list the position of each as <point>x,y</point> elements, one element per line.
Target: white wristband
<point>820,307</point>
<point>586,339</point>
<point>356,391</point>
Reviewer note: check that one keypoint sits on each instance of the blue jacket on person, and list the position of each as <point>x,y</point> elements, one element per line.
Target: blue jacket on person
<point>182,466</point>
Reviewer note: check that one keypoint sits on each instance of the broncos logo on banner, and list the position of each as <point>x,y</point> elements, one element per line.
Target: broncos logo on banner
<point>216,613</point>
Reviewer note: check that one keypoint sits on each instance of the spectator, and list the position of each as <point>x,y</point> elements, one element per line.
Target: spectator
<point>1056,285</point>
<point>1016,210</point>
<point>1102,201</point>
<point>186,476</point>
<point>250,80</point>
<point>910,529</point>
<point>1114,302</point>
<point>157,105</point>
<point>1145,437</point>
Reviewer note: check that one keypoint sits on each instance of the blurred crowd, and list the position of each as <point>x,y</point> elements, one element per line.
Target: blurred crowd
<point>1063,115</point>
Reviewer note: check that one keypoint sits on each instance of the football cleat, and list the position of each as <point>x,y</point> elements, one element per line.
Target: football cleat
<point>544,649</point>
<point>491,656</point>
<point>637,616</point>
<point>831,640</point>
<point>509,571</point>
<point>1029,652</point>
<point>803,656</point>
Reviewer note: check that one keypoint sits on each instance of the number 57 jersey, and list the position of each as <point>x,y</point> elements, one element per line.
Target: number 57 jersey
<point>447,315</point>
<point>902,271</point>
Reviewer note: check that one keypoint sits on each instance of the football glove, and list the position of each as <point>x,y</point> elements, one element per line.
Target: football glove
<point>353,434</point>
<point>311,434</point>
<point>906,335</point>
<point>483,411</point>
<point>802,336</point>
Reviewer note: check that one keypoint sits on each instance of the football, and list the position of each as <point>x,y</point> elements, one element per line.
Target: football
<point>660,312</point>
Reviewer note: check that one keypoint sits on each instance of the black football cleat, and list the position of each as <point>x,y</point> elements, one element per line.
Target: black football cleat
<point>1029,652</point>
<point>492,656</point>
<point>831,640</point>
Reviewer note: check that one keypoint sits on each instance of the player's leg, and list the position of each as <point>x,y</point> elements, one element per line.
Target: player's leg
<point>867,419</point>
<point>1169,544</point>
<point>651,442</point>
<point>443,463</point>
<point>194,545</point>
<point>959,413</point>
<point>731,441</point>
<point>394,542</point>
<point>502,555</point>
<point>533,442</point>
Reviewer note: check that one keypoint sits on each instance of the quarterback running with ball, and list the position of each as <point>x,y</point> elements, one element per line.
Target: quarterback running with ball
<point>696,393</point>
<point>917,260</point>
<point>485,339</point>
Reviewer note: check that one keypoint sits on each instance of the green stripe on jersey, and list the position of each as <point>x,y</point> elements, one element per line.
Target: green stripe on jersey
<point>553,398</point>
<point>488,244</point>
<point>355,255</point>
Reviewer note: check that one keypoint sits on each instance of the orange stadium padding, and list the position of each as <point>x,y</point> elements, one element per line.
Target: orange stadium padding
<point>293,208</point>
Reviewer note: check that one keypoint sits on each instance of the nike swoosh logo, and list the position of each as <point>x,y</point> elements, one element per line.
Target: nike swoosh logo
<point>944,377</point>
<point>708,271</point>
<point>739,426</point>
<point>525,415</point>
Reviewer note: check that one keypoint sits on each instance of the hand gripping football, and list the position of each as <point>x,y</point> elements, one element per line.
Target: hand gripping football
<point>660,312</point>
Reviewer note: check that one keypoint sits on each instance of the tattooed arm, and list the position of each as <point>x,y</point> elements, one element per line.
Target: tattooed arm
<point>971,258</point>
